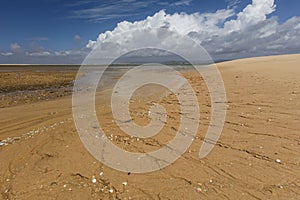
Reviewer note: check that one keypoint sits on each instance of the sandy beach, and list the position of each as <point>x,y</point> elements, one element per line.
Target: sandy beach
<point>256,157</point>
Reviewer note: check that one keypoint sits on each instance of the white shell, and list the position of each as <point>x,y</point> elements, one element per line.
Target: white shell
<point>94,180</point>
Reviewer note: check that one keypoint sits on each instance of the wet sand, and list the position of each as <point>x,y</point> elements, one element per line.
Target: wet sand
<point>256,157</point>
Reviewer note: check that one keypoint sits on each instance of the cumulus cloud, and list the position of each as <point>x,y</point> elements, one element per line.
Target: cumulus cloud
<point>162,31</point>
<point>225,34</point>
<point>251,15</point>
<point>248,33</point>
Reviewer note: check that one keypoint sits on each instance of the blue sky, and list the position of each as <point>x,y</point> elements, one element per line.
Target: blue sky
<point>61,25</point>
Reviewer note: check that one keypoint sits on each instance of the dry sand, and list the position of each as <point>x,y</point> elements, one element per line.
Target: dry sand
<point>45,159</point>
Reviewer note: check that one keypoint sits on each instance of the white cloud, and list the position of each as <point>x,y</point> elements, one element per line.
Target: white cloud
<point>78,41</point>
<point>252,14</point>
<point>15,47</point>
<point>72,52</point>
<point>182,23</point>
<point>76,38</point>
<point>249,33</point>
<point>45,57</point>
<point>7,54</point>
<point>95,10</point>
<point>42,53</point>
<point>233,3</point>
<point>107,10</point>
<point>182,3</point>
<point>225,34</point>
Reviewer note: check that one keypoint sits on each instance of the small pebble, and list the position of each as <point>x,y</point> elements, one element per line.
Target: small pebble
<point>111,191</point>
<point>278,160</point>
<point>94,180</point>
<point>124,183</point>
<point>101,173</point>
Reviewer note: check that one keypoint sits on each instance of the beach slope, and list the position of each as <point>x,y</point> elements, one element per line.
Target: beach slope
<point>256,157</point>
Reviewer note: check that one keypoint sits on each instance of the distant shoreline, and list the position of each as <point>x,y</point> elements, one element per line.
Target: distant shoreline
<point>115,64</point>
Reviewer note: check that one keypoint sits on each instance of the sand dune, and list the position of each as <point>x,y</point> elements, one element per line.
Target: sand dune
<point>256,157</point>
